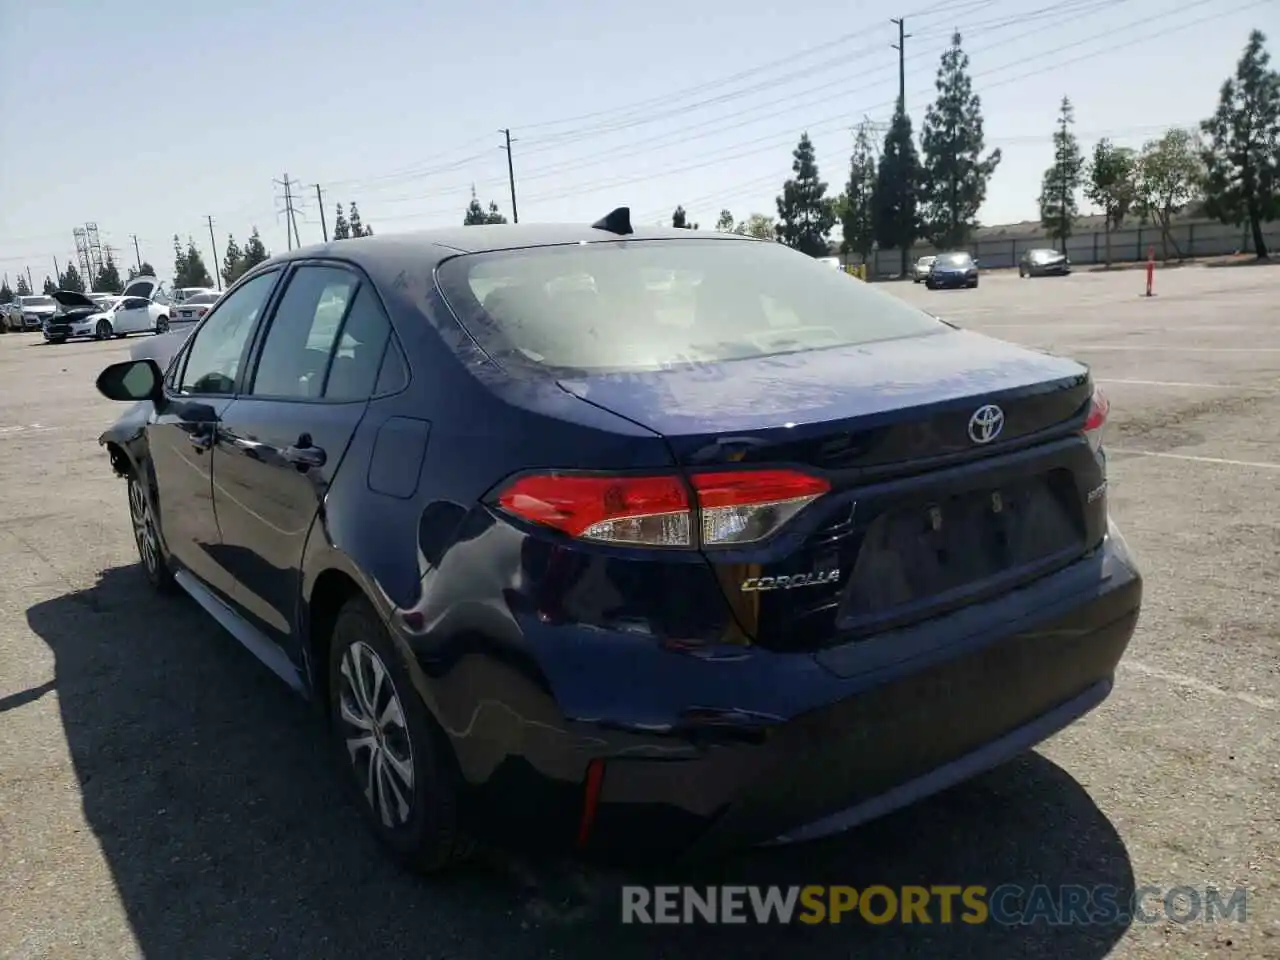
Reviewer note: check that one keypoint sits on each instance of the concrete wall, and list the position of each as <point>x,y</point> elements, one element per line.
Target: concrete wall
<point>1199,238</point>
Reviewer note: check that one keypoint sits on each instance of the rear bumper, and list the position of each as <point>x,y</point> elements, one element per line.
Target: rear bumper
<point>813,745</point>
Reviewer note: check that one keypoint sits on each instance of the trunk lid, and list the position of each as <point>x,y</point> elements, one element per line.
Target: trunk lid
<point>931,503</point>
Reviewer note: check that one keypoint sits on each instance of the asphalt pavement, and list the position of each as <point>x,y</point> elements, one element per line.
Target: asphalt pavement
<point>163,795</point>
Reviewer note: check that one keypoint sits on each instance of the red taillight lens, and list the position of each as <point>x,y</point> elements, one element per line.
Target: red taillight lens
<point>201,311</point>
<point>735,507</point>
<point>1099,408</point>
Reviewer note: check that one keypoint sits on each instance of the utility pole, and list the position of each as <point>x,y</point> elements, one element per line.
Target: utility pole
<point>324,228</point>
<point>904,187</point>
<point>217,274</point>
<point>136,252</point>
<point>901,47</point>
<point>57,274</point>
<point>30,283</point>
<point>511,175</point>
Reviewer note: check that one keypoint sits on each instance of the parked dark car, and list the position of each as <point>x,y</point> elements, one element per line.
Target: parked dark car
<point>1044,263</point>
<point>952,270</point>
<point>636,543</point>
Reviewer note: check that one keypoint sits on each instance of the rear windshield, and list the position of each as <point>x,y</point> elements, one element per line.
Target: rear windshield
<point>200,298</point>
<point>648,305</point>
<point>37,301</point>
<point>955,260</point>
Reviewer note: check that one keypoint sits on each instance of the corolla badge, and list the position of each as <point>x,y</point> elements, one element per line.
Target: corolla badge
<point>986,423</point>
<point>762,584</point>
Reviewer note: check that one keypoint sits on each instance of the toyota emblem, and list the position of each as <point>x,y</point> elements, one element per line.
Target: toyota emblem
<point>986,423</point>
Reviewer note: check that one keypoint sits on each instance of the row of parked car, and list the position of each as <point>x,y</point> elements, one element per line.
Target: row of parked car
<point>961,269</point>
<point>147,305</point>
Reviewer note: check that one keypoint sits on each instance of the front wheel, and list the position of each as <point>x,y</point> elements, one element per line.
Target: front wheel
<point>396,759</point>
<point>162,325</point>
<point>102,331</point>
<point>147,536</point>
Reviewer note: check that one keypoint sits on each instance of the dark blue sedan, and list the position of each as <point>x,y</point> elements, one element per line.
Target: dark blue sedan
<point>631,542</point>
<point>952,270</point>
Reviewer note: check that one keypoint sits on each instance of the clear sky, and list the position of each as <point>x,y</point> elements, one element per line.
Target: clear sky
<point>146,116</point>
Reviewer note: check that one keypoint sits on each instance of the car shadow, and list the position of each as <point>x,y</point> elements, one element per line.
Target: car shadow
<point>209,790</point>
<point>1250,262</point>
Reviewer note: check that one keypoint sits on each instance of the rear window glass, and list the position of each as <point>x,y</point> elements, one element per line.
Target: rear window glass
<point>200,298</point>
<point>955,260</point>
<point>647,305</point>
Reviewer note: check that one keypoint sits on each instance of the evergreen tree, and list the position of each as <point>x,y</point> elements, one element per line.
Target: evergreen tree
<point>108,281</point>
<point>895,216</point>
<point>1112,185</point>
<point>856,221</point>
<point>179,264</point>
<point>357,228</point>
<point>24,288</point>
<point>146,270</point>
<point>341,229</point>
<point>1243,155</point>
<point>680,220</point>
<point>724,224</point>
<point>232,262</point>
<point>805,213</point>
<point>1058,207</point>
<point>477,214</point>
<point>49,286</point>
<point>6,293</point>
<point>955,174</point>
<point>71,279</point>
<point>254,252</point>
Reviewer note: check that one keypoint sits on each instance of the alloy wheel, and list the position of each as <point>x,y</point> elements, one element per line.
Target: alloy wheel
<point>103,331</point>
<point>144,528</point>
<point>376,735</point>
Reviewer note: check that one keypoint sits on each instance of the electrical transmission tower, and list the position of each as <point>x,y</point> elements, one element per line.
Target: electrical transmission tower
<point>96,260</point>
<point>82,254</point>
<point>291,203</point>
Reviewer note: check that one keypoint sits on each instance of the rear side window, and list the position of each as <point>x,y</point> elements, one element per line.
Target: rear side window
<point>358,356</point>
<point>632,306</point>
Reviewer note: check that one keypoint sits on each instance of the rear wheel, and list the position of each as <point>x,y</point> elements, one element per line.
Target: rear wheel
<point>396,760</point>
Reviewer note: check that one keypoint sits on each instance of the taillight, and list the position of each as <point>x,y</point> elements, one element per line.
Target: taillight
<point>728,508</point>
<point>201,311</point>
<point>1096,422</point>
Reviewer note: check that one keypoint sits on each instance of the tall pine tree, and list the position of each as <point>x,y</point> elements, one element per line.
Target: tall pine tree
<point>1243,155</point>
<point>232,262</point>
<point>71,279</point>
<point>48,288</point>
<point>341,229</point>
<point>895,210</point>
<point>805,213</point>
<point>1058,206</point>
<point>108,280</point>
<point>856,220</point>
<point>955,174</point>
<point>254,252</point>
<point>24,288</point>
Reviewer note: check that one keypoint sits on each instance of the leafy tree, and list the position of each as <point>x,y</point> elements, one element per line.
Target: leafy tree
<point>108,280</point>
<point>476,214</point>
<point>1112,184</point>
<point>894,213</point>
<point>341,229</point>
<point>71,279</point>
<point>146,270</point>
<point>1170,175</point>
<point>955,174</point>
<point>232,262</point>
<point>805,213</point>
<point>179,264</point>
<point>856,204</point>
<point>758,225</point>
<point>6,294</point>
<point>49,286</point>
<point>357,228</point>
<point>1058,207</point>
<point>24,288</point>
<point>724,223</point>
<point>254,252</point>
<point>1243,155</point>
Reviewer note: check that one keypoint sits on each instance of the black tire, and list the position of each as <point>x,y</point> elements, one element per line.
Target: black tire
<point>146,535</point>
<point>162,325</point>
<point>103,330</point>
<point>421,830</point>
<point>1022,273</point>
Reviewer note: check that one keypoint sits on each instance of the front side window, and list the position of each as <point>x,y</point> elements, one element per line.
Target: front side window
<point>632,306</point>
<point>295,354</point>
<point>218,347</point>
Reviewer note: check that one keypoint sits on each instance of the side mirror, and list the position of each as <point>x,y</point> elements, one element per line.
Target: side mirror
<point>131,380</point>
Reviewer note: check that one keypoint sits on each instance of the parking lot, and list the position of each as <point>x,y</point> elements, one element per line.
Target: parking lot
<point>162,794</point>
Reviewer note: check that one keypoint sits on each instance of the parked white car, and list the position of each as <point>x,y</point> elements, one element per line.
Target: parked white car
<point>192,308</point>
<point>132,312</point>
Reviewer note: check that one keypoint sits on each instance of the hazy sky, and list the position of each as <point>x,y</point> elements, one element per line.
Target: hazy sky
<point>146,116</point>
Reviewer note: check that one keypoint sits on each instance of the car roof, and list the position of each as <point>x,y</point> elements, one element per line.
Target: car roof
<point>438,244</point>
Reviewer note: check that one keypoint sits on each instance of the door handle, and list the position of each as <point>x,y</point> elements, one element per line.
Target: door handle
<point>305,457</point>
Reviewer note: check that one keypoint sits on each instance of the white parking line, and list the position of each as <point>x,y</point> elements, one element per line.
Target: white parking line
<point>1171,383</point>
<point>1191,683</point>
<point>1147,349</point>
<point>1257,464</point>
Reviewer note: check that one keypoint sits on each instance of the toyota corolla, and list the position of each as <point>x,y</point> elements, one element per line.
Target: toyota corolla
<point>630,540</point>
